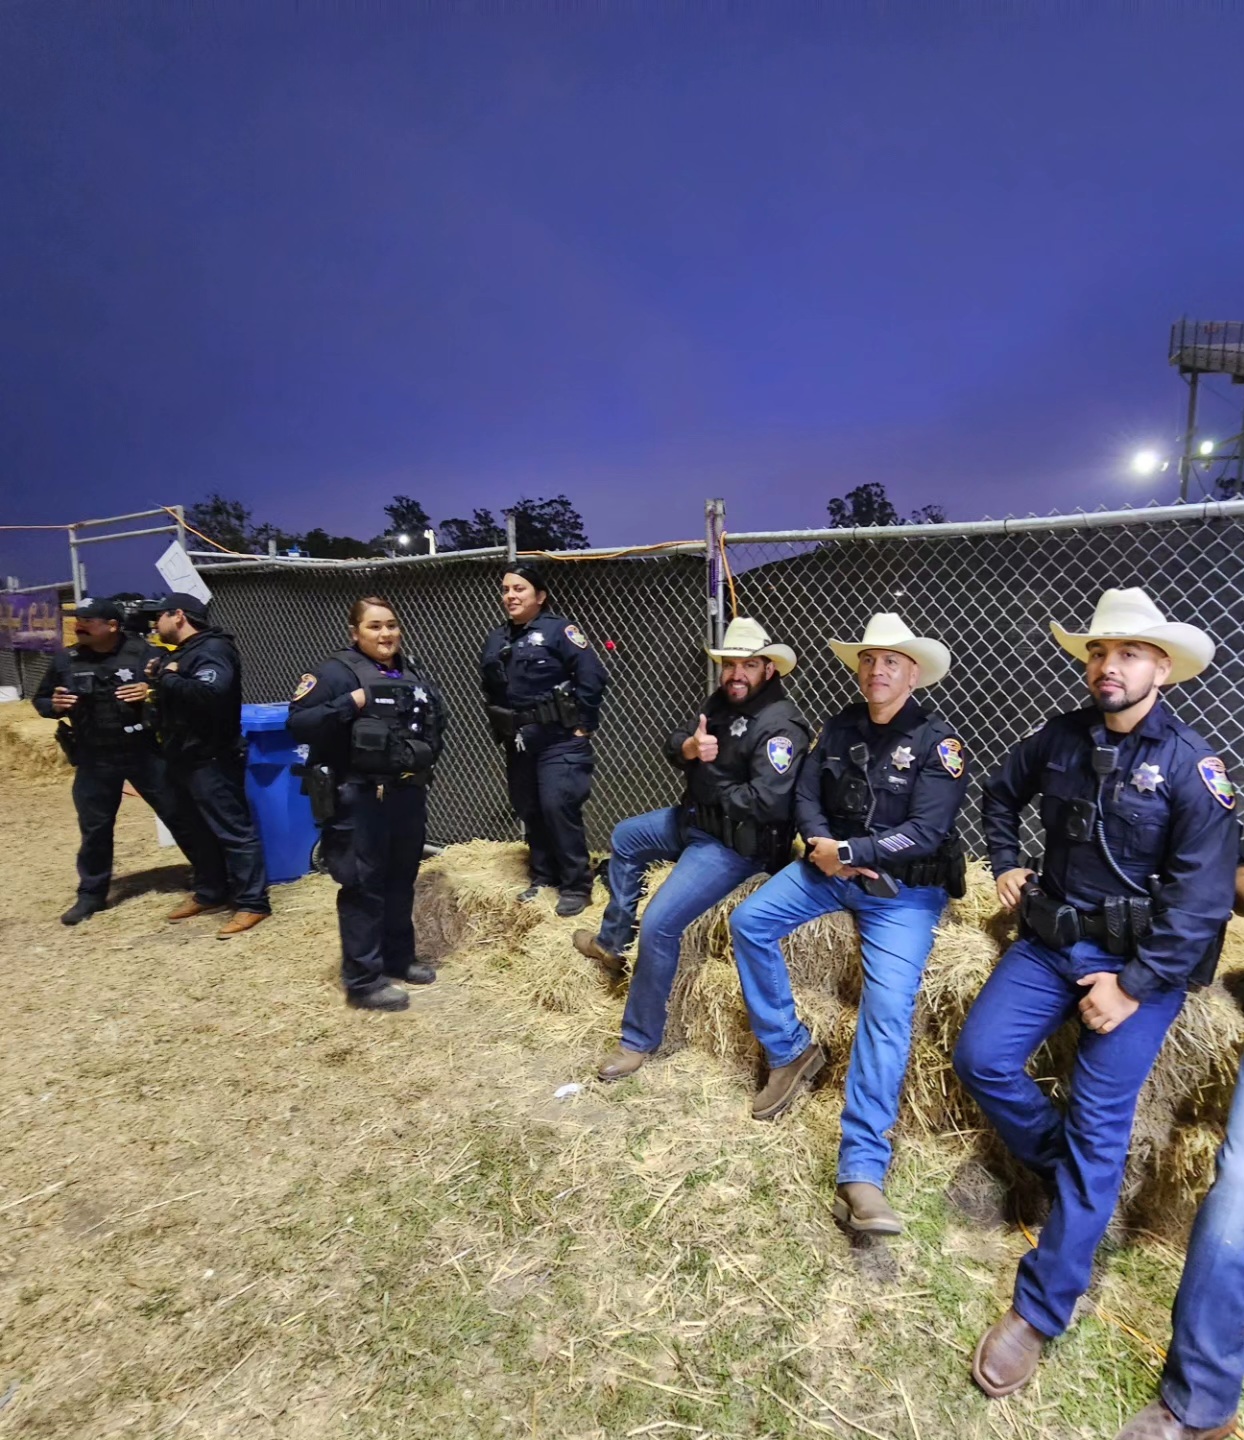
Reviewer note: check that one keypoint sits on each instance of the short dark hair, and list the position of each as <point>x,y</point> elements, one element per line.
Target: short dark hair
<point>364,603</point>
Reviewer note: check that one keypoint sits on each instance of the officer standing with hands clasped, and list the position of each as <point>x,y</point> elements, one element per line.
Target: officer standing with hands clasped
<point>740,759</point>
<point>1127,912</point>
<point>375,726</point>
<point>543,686</point>
<point>98,689</point>
<point>198,691</point>
<point>876,805</point>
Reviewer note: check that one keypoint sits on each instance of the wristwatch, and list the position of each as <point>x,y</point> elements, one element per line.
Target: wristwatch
<point>844,853</point>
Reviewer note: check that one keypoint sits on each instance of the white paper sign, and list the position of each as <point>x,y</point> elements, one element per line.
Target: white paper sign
<point>179,573</point>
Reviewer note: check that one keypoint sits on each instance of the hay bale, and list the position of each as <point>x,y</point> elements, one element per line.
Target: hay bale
<point>28,742</point>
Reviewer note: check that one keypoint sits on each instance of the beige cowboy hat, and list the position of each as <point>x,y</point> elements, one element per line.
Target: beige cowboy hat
<point>1131,615</point>
<point>889,632</point>
<point>746,639</point>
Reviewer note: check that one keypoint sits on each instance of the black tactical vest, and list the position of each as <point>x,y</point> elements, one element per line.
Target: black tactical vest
<point>393,733</point>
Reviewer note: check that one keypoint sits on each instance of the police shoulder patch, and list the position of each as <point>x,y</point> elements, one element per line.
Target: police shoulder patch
<point>305,687</point>
<point>208,677</point>
<point>576,636</point>
<point>1214,776</point>
<point>781,751</point>
<point>950,753</point>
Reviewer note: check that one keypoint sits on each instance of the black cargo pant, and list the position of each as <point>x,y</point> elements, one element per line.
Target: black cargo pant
<point>548,789</point>
<point>372,847</point>
<point>209,802</point>
<point>98,782</point>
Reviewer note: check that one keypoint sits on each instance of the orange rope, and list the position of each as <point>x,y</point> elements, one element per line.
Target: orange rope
<point>734,599</point>
<point>609,555</point>
<point>186,525</point>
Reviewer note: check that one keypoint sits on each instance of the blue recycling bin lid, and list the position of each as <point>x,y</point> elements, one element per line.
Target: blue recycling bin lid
<point>264,717</point>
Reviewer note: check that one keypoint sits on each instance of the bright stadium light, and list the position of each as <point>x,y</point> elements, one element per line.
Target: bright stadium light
<point>1146,462</point>
<point>1207,447</point>
<point>403,539</point>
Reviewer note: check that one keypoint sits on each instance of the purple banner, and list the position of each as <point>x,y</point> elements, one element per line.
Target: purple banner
<point>30,622</point>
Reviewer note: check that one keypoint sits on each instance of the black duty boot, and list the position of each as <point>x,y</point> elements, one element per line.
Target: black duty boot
<point>531,892</point>
<point>82,909</point>
<point>418,972</point>
<point>387,997</point>
<point>568,904</point>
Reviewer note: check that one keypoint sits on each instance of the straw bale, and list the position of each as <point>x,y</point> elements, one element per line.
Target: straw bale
<point>28,742</point>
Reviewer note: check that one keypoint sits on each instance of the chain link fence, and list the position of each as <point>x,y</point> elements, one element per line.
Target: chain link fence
<point>988,589</point>
<point>287,618</point>
<point>989,592</point>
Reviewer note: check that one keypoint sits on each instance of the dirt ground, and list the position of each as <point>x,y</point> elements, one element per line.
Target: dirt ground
<point>229,1206</point>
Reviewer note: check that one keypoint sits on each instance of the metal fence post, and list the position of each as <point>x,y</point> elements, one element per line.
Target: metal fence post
<point>714,529</point>
<point>511,536</point>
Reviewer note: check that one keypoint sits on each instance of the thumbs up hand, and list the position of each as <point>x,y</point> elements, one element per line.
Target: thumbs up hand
<point>701,745</point>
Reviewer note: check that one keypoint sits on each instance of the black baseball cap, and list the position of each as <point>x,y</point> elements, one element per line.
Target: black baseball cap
<point>98,610</point>
<point>194,608</point>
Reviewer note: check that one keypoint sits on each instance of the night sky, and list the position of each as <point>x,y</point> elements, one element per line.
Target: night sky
<point>312,256</point>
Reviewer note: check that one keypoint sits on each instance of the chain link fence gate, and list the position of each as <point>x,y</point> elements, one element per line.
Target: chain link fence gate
<point>287,617</point>
<point>988,589</point>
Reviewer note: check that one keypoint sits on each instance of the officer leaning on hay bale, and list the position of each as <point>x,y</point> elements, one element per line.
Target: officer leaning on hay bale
<point>1141,846</point>
<point>740,758</point>
<point>97,689</point>
<point>876,805</point>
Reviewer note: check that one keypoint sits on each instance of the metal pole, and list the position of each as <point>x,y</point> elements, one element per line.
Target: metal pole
<point>511,536</point>
<point>75,570</point>
<point>179,512</point>
<point>1185,460</point>
<point>714,527</point>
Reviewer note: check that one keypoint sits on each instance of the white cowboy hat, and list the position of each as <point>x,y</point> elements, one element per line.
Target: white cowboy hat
<point>1131,615</point>
<point>889,632</point>
<point>746,640</point>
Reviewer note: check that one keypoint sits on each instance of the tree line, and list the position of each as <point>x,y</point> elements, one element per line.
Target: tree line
<point>542,524</point>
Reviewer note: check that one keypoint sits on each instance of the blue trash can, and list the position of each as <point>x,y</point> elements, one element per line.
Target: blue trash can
<point>282,812</point>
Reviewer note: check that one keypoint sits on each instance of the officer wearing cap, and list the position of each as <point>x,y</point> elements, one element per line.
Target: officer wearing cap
<point>739,759</point>
<point>543,685</point>
<point>198,690</point>
<point>876,806</point>
<point>97,689</point>
<point>1128,911</point>
<point>374,723</point>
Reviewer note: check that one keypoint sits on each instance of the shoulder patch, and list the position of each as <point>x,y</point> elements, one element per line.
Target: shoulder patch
<point>305,687</point>
<point>781,751</point>
<point>576,636</point>
<point>950,753</point>
<point>207,676</point>
<point>1214,776</point>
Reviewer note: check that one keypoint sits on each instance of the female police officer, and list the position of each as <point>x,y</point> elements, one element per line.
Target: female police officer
<point>374,727</point>
<point>543,685</point>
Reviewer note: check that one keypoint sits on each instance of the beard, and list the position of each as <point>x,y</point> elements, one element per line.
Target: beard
<point>1122,699</point>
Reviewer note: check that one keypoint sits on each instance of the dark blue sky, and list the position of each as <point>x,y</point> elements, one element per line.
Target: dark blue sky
<point>311,256</point>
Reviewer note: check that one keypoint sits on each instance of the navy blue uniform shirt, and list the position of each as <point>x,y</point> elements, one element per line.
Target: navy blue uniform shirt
<point>200,701</point>
<point>521,664</point>
<point>918,773</point>
<point>1167,812</point>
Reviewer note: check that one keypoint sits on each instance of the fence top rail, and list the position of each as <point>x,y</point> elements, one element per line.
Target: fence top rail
<point>442,557</point>
<point>1080,520</point>
<point>161,510</point>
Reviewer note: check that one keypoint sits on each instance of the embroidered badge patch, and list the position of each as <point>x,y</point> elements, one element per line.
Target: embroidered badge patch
<point>208,677</point>
<point>738,726</point>
<point>781,752</point>
<point>126,675</point>
<point>902,758</point>
<point>1214,773</point>
<point>950,753</point>
<point>305,686</point>
<point>1147,778</point>
<point>535,638</point>
<point>576,636</point>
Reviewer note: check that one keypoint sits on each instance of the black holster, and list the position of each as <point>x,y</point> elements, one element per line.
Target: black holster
<point>502,723</point>
<point>1053,922</point>
<point>320,784</point>
<point>67,741</point>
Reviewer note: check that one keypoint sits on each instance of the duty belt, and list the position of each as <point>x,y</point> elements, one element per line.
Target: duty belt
<point>1119,926</point>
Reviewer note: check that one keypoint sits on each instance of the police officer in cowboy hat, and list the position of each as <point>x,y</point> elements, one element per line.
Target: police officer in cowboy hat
<point>876,806</point>
<point>98,690</point>
<point>740,759</point>
<point>198,690</point>
<point>1127,912</point>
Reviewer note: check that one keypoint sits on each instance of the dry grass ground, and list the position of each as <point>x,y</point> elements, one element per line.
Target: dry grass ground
<point>229,1206</point>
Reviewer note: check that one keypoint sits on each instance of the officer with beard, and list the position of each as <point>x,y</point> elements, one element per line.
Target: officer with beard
<point>98,689</point>
<point>740,760</point>
<point>1128,911</point>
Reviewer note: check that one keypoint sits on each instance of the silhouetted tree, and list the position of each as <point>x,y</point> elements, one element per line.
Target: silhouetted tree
<point>228,522</point>
<point>323,546</point>
<point>928,515</point>
<point>549,525</point>
<point>477,533</point>
<point>407,516</point>
<point>869,504</point>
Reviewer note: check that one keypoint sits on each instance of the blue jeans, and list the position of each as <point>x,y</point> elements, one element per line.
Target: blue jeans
<point>1205,1365</point>
<point>1080,1156</point>
<point>895,937</point>
<point>705,874</point>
